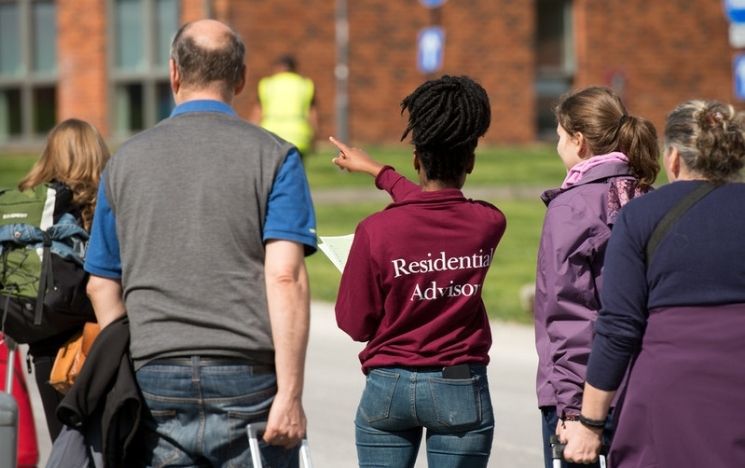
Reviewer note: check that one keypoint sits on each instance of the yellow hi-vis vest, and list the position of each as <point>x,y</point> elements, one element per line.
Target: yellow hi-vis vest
<point>285,100</point>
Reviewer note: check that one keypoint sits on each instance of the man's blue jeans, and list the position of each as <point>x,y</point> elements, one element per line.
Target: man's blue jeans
<point>196,414</point>
<point>397,404</point>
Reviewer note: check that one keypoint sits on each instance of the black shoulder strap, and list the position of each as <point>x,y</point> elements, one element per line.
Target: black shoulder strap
<point>672,216</point>
<point>46,280</point>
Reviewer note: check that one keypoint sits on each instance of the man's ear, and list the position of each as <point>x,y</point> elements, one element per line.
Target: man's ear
<point>242,83</point>
<point>174,76</point>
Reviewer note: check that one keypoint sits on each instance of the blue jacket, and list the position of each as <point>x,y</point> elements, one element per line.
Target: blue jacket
<point>68,237</point>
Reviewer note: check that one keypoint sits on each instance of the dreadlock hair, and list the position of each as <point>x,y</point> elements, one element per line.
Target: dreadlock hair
<point>447,116</point>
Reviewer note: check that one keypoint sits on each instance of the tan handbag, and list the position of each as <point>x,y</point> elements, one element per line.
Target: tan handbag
<point>71,356</point>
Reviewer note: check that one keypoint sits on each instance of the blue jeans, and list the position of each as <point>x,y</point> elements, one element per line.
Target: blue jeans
<point>551,419</point>
<point>196,414</point>
<point>397,404</point>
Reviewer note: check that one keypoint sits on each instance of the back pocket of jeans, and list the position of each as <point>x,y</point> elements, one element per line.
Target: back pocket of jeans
<point>456,401</point>
<point>375,404</point>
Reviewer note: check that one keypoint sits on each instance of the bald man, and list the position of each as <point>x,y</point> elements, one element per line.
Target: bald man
<point>199,237</point>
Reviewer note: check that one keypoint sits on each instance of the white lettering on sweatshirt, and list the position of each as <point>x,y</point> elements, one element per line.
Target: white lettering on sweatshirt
<point>433,291</point>
<point>442,262</point>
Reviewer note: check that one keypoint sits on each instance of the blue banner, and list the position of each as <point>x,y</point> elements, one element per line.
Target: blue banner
<point>735,10</point>
<point>430,49</point>
<point>738,76</point>
<point>432,3</point>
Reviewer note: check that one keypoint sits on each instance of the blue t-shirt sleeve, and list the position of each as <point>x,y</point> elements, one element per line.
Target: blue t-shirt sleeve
<point>102,257</point>
<point>289,214</point>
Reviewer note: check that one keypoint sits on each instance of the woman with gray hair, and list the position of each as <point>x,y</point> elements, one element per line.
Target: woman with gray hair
<point>673,305</point>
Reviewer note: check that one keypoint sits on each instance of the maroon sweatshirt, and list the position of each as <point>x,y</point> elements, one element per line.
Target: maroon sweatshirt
<point>412,284</point>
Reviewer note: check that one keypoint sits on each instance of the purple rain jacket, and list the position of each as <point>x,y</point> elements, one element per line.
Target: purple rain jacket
<point>575,233</point>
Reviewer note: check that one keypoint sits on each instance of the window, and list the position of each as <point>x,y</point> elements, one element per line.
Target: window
<point>28,69</point>
<point>10,39</point>
<point>45,36</point>
<point>141,34</point>
<point>555,64</point>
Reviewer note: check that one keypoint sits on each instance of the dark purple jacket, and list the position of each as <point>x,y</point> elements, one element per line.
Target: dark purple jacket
<point>680,318</point>
<point>684,402</point>
<point>576,230</point>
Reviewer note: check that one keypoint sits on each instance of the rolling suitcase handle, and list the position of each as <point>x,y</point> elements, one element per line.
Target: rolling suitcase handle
<point>8,412</point>
<point>253,431</point>
<point>557,454</point>
<point>11,345</point>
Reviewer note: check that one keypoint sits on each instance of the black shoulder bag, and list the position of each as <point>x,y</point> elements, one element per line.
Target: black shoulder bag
<point>672,216</point>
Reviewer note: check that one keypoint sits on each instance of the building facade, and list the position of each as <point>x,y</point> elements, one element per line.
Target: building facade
<point>105,61</point>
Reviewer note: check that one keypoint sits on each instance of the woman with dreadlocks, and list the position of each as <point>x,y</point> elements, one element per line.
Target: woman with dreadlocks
<point>412,287</point>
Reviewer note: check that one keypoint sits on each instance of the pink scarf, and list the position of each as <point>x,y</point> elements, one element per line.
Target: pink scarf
<point>575,174</point>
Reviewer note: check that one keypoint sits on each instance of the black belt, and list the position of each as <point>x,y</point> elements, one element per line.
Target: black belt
<point>203,361</point>
<point>458,371</point>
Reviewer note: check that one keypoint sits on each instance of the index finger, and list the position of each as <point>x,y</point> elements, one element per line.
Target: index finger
<point>342,147</point>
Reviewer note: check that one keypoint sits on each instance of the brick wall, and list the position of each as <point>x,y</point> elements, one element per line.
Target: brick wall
<point>663,52</point>
<point>490,40</point>
<point>656,53</point>
<point>271,28</point>
<point>382,65</point>
<point>192,10</point>
<point>81,51</point>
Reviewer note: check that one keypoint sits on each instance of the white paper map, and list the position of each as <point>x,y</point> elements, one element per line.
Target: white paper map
<point>336,249</point>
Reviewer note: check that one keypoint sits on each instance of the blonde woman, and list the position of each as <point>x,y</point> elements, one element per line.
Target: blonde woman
<point>70,166</point>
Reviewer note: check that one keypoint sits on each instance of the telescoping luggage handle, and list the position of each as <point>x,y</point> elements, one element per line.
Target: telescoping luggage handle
<point>8,411</point>
<point>253,431</point>
<point>11,345</point>
<point>557,454</point>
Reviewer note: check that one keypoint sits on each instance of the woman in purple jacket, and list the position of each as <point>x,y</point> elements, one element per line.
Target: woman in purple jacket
<point>412,287</point>
<point>677,310</point>
<point>611,157</point>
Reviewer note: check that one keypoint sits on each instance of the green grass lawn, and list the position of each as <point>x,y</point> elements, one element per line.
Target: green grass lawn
<point>533,165</point>
<point>514,261</point>
<point>512,268</point>
<point>13,167</point>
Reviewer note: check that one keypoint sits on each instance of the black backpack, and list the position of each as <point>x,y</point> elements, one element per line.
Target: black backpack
<point>42,281</point>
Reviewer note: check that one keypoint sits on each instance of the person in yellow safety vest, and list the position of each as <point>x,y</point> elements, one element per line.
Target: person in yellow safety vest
<point>286,105</point>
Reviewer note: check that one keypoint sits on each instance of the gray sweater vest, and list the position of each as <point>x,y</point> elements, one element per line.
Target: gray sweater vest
<point>190,197</point>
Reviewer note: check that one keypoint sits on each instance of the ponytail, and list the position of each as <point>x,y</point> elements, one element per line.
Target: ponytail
<point>637,139</point>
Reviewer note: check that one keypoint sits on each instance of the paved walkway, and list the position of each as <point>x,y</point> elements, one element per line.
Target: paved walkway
<point>334,384</point>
